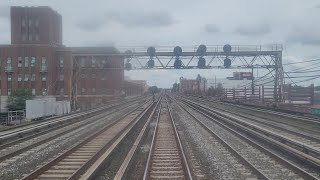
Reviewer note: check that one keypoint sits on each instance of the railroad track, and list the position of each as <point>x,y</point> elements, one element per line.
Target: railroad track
<point>166,158</point>
<point>260,110</point>
<point>7,135</point>
<point>262,162</point>
<point>75,162</point>
<point>302,142</point>
<point>13,149</point>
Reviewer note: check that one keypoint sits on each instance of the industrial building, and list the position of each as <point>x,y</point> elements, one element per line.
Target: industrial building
<point>36,59</point>
<point>135,87</point>
<point>193,86</point>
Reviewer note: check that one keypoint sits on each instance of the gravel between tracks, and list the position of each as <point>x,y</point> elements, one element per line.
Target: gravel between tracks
<point>261,160</point>
<point>38,156</point>
<point>215,164</point>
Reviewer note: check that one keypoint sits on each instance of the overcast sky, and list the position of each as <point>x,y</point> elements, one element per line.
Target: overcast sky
<point>293,23</point>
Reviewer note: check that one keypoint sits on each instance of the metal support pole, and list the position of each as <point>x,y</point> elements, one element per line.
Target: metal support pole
<point>252,81</point>
<point>289,93</point>
<point>262,94</point>
<point>276,79</point>
<point>312,94</point>
<point>245,93</point>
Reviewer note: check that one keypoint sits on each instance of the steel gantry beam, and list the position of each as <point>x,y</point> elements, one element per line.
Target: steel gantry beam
<point>251,57</point>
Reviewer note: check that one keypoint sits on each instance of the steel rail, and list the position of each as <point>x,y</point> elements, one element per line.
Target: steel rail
<point>185,164</point>
<point>286,115</point>
<point>83,167</point>
<point>121,171</point>
<point>19,151</point>
<point>6,134</point>
<point>311,153</point>
<point>260,120</point>
<point>266,139</point>
<point>241,158</point>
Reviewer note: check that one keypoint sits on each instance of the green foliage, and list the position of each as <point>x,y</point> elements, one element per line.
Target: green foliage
<point>17,99</point>
<point>175,87</point>
<point>218,91</point>
<point>154,89</point>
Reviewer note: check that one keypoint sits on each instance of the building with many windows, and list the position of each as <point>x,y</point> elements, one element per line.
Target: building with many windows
<point>36,59</point>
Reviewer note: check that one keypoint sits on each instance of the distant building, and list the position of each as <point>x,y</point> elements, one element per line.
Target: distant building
<point>36,59</point>
<point>241,76</point>
<point>135,87</point>
<point>193,86</point>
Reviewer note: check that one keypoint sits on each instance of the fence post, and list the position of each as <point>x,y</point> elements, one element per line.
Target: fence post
<point>245,93</point>
<point>262,94</point>
<point>289,93</point>
<point>234,93</point>
<point>259,94</point>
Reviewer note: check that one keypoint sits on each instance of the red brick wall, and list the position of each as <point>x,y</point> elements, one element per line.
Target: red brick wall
<point>52,57</point>
<point>49,26</point>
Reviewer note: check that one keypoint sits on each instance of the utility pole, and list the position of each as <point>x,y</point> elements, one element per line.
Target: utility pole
<point>252,80</point>
<point>215,81</point>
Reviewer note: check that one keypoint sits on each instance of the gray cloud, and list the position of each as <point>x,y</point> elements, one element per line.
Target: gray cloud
<point>142,19</point>
<point>127,19</point>
<point>92,24</point>
<point>317,7</point>
<point>304,35</point>
<point>4,12</point>
<point>211,28</point>
<point>254,30</point>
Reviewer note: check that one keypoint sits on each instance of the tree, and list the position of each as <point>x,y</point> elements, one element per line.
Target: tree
<point>218,91</point>
<point>154,89</point>
<point>17,99</point>
<point>317,88</point>
<point>175,87</point>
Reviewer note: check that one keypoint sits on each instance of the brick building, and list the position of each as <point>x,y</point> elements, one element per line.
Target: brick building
<point>193,86</point>
<point>135,87</point>
<point>36,59</point>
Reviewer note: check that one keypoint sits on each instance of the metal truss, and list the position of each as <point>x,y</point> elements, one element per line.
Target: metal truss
<point>267,57</point>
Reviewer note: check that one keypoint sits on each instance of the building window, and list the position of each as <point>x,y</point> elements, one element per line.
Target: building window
<point>19,77</point>
<point>24,37</point>
<point>33,91</point>
<point>61,77</point>
<point>43,61</point>
<point>44,77</point>
<point>43,64</point>
<point>93,75</point>
<point>44,91</point>
<point>26,77</point>
<point>9,77</point>
<point>30,37</point>
<point>61,91</point>
<point>61,60</point>
<point>33,61</point>
<point>36,22</point>
<point>9,61</point>
<point>93,62</point>
<point>9,92</point>
<point>37,37</point>
<point>104,61</point>
<point>23,23</point>
<point>19,61</point>
<point>33,77</point>
<point>30,22</point>
<point>83,76</point>
<point>93,90</point>
<point>26,61</point>
<point>83,90</point>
